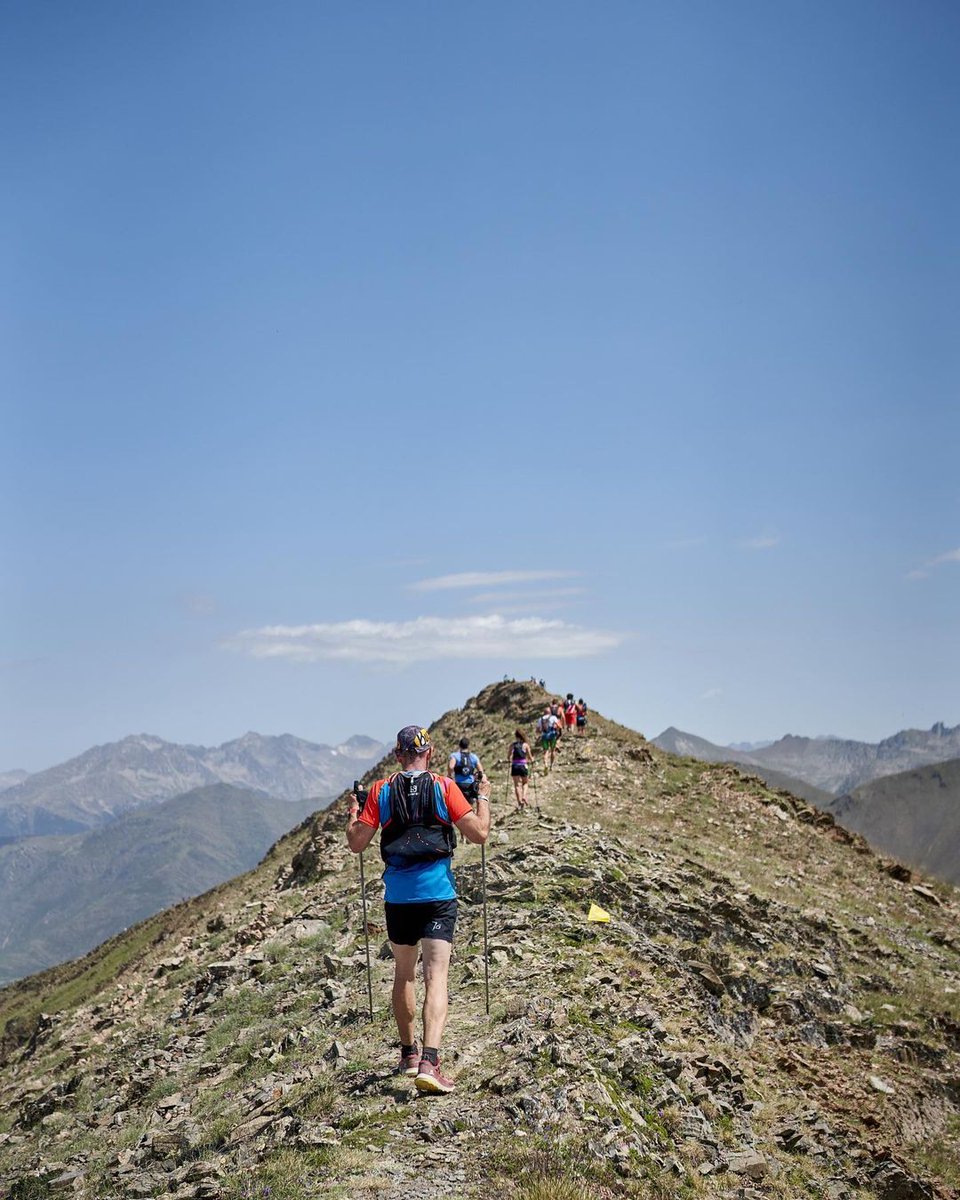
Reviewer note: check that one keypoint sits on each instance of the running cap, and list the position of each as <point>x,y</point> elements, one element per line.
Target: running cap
<point>412,740</point>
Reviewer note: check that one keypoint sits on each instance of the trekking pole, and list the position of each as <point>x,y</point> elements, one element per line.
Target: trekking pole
<point>536,794</point>
<point>483,893</point>
<point>486,952</point>
<point>362,799</point>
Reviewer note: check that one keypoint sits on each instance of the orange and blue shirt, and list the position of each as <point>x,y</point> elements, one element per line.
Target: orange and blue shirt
<point>417,882</point>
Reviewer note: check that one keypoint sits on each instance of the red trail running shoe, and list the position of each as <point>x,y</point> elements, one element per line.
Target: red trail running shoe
<point>409,1063</point>
<point>430,1079</point>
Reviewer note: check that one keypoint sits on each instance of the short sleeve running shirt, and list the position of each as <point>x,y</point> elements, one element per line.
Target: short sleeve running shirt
<point>418,882</point>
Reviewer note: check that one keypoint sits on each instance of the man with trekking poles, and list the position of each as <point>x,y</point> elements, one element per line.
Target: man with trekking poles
<point>416,811</point>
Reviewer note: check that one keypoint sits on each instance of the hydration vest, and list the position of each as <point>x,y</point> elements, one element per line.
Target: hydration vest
<point>466,762</point>
<point>415,833</point>
<point>518,757</point>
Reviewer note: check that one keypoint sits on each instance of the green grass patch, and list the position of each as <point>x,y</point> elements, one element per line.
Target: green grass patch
<point>286,1175</point>
<point>538,1168</point>
<point>64,988</point>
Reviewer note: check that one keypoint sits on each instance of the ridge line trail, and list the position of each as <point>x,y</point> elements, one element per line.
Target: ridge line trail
<point>442,1131</point>
<point>420,1144</point>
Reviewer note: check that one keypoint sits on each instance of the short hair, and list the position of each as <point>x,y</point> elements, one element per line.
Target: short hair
<point>464,743</point>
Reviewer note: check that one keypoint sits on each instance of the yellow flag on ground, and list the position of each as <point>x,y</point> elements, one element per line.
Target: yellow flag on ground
<point>596,913</point>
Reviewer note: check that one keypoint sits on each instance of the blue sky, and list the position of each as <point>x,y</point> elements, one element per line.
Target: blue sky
<point>637,320</point>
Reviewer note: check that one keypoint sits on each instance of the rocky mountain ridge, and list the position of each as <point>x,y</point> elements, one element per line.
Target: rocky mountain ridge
<point>105,781</point>
<point>833,765</point>
<point>772,1011</point>
<point>9,778</point>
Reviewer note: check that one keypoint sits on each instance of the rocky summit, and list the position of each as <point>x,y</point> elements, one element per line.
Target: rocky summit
<point>771,1011</point>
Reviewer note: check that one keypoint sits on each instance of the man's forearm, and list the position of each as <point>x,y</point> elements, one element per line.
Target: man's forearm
<point>357,838</point>
<point>483,815</point>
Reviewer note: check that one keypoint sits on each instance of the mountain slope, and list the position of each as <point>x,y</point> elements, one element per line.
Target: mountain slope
<point>769,1011</point>
<point>915,815</point>
<point>675,741</point>
<point>688,745</point>
<point>62,895</point>
<point>831,765</point>
<point>838,765</point>
<point>106,781</point>
<point>9,779</point>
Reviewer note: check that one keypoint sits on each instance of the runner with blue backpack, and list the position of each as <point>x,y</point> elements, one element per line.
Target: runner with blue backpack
<point>548,728</point>
<point>466,770</point>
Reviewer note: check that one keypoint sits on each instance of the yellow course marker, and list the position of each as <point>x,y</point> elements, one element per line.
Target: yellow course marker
<point>596,913</point>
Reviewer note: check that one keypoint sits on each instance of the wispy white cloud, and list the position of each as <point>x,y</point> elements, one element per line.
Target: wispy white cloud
<point>713,693</point>
<point>487,579</point>
<point>759,543</point>
<point>923,572</point>
<point>425,639</point>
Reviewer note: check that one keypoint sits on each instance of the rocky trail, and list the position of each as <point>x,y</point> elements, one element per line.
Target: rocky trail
<point>771,1011</point>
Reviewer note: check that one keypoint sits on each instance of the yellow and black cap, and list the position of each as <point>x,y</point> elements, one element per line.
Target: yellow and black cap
<point>412,740</point>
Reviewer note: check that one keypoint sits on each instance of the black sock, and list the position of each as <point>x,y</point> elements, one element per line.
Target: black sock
<point>430,1054</point>
<point>405,1050</point>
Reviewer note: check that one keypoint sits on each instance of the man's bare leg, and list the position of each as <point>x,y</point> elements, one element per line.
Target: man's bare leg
<point>404,993</point>
<point>436,967</point>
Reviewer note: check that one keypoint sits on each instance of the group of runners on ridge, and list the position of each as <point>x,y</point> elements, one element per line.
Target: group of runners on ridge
<point>562,716</point>
<point>417,811</point>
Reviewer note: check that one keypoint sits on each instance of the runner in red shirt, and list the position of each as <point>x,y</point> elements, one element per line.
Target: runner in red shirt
<point>416,811</point>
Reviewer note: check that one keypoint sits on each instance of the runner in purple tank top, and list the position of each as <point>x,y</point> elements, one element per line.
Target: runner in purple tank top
<point>520,767</point>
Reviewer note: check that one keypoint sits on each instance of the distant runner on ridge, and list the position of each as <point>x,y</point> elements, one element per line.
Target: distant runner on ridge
<point>569,712</point>
<point>548,727</point>
<point>466,770</point>
<point>519,767</point>
<point>416,811</point>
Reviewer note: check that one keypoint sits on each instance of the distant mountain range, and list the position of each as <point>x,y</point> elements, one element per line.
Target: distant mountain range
<point>103,783</point>
<point>832,765</point>
<point>914,815</point>
<point>62,895</point>
<point>9,778</point>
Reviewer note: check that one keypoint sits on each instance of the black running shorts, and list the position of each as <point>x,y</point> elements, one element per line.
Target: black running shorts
<point>519,771</point>
<point>408,923</point>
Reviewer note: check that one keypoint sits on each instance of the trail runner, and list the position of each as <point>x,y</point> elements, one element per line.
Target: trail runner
<point>548,727</point>
<point>466,770</point>
<point>581,717</point>
<point>416,810</point>
<point>520,756</point>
